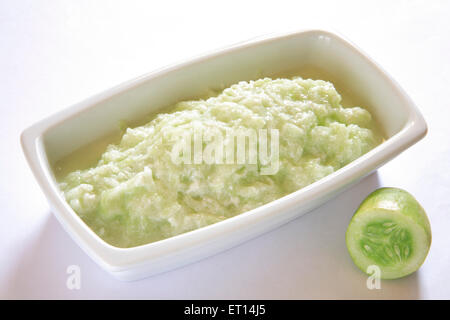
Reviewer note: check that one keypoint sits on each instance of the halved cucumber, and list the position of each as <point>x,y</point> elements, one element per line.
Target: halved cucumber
<point>391,230</point>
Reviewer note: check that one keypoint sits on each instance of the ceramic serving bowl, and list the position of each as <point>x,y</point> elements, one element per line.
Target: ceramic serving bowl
<point>49,140</point>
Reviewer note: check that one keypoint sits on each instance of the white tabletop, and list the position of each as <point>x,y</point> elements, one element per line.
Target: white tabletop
<point>56,53</point>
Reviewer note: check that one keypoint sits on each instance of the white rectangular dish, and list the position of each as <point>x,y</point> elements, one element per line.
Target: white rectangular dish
<point>60,134</point>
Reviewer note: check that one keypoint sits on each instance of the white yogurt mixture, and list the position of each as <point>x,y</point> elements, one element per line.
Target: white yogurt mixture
<point>136,194</point>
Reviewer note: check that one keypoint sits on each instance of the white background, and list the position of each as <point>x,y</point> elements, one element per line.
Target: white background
<point>56,53</point>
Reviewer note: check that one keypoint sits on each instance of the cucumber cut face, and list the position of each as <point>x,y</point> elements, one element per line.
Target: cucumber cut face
<point>391,231</point>
<point>386,242</point>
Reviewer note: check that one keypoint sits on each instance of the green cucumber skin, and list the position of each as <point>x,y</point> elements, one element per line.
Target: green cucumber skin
<point>409,206</point>
<point>398,202</point>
